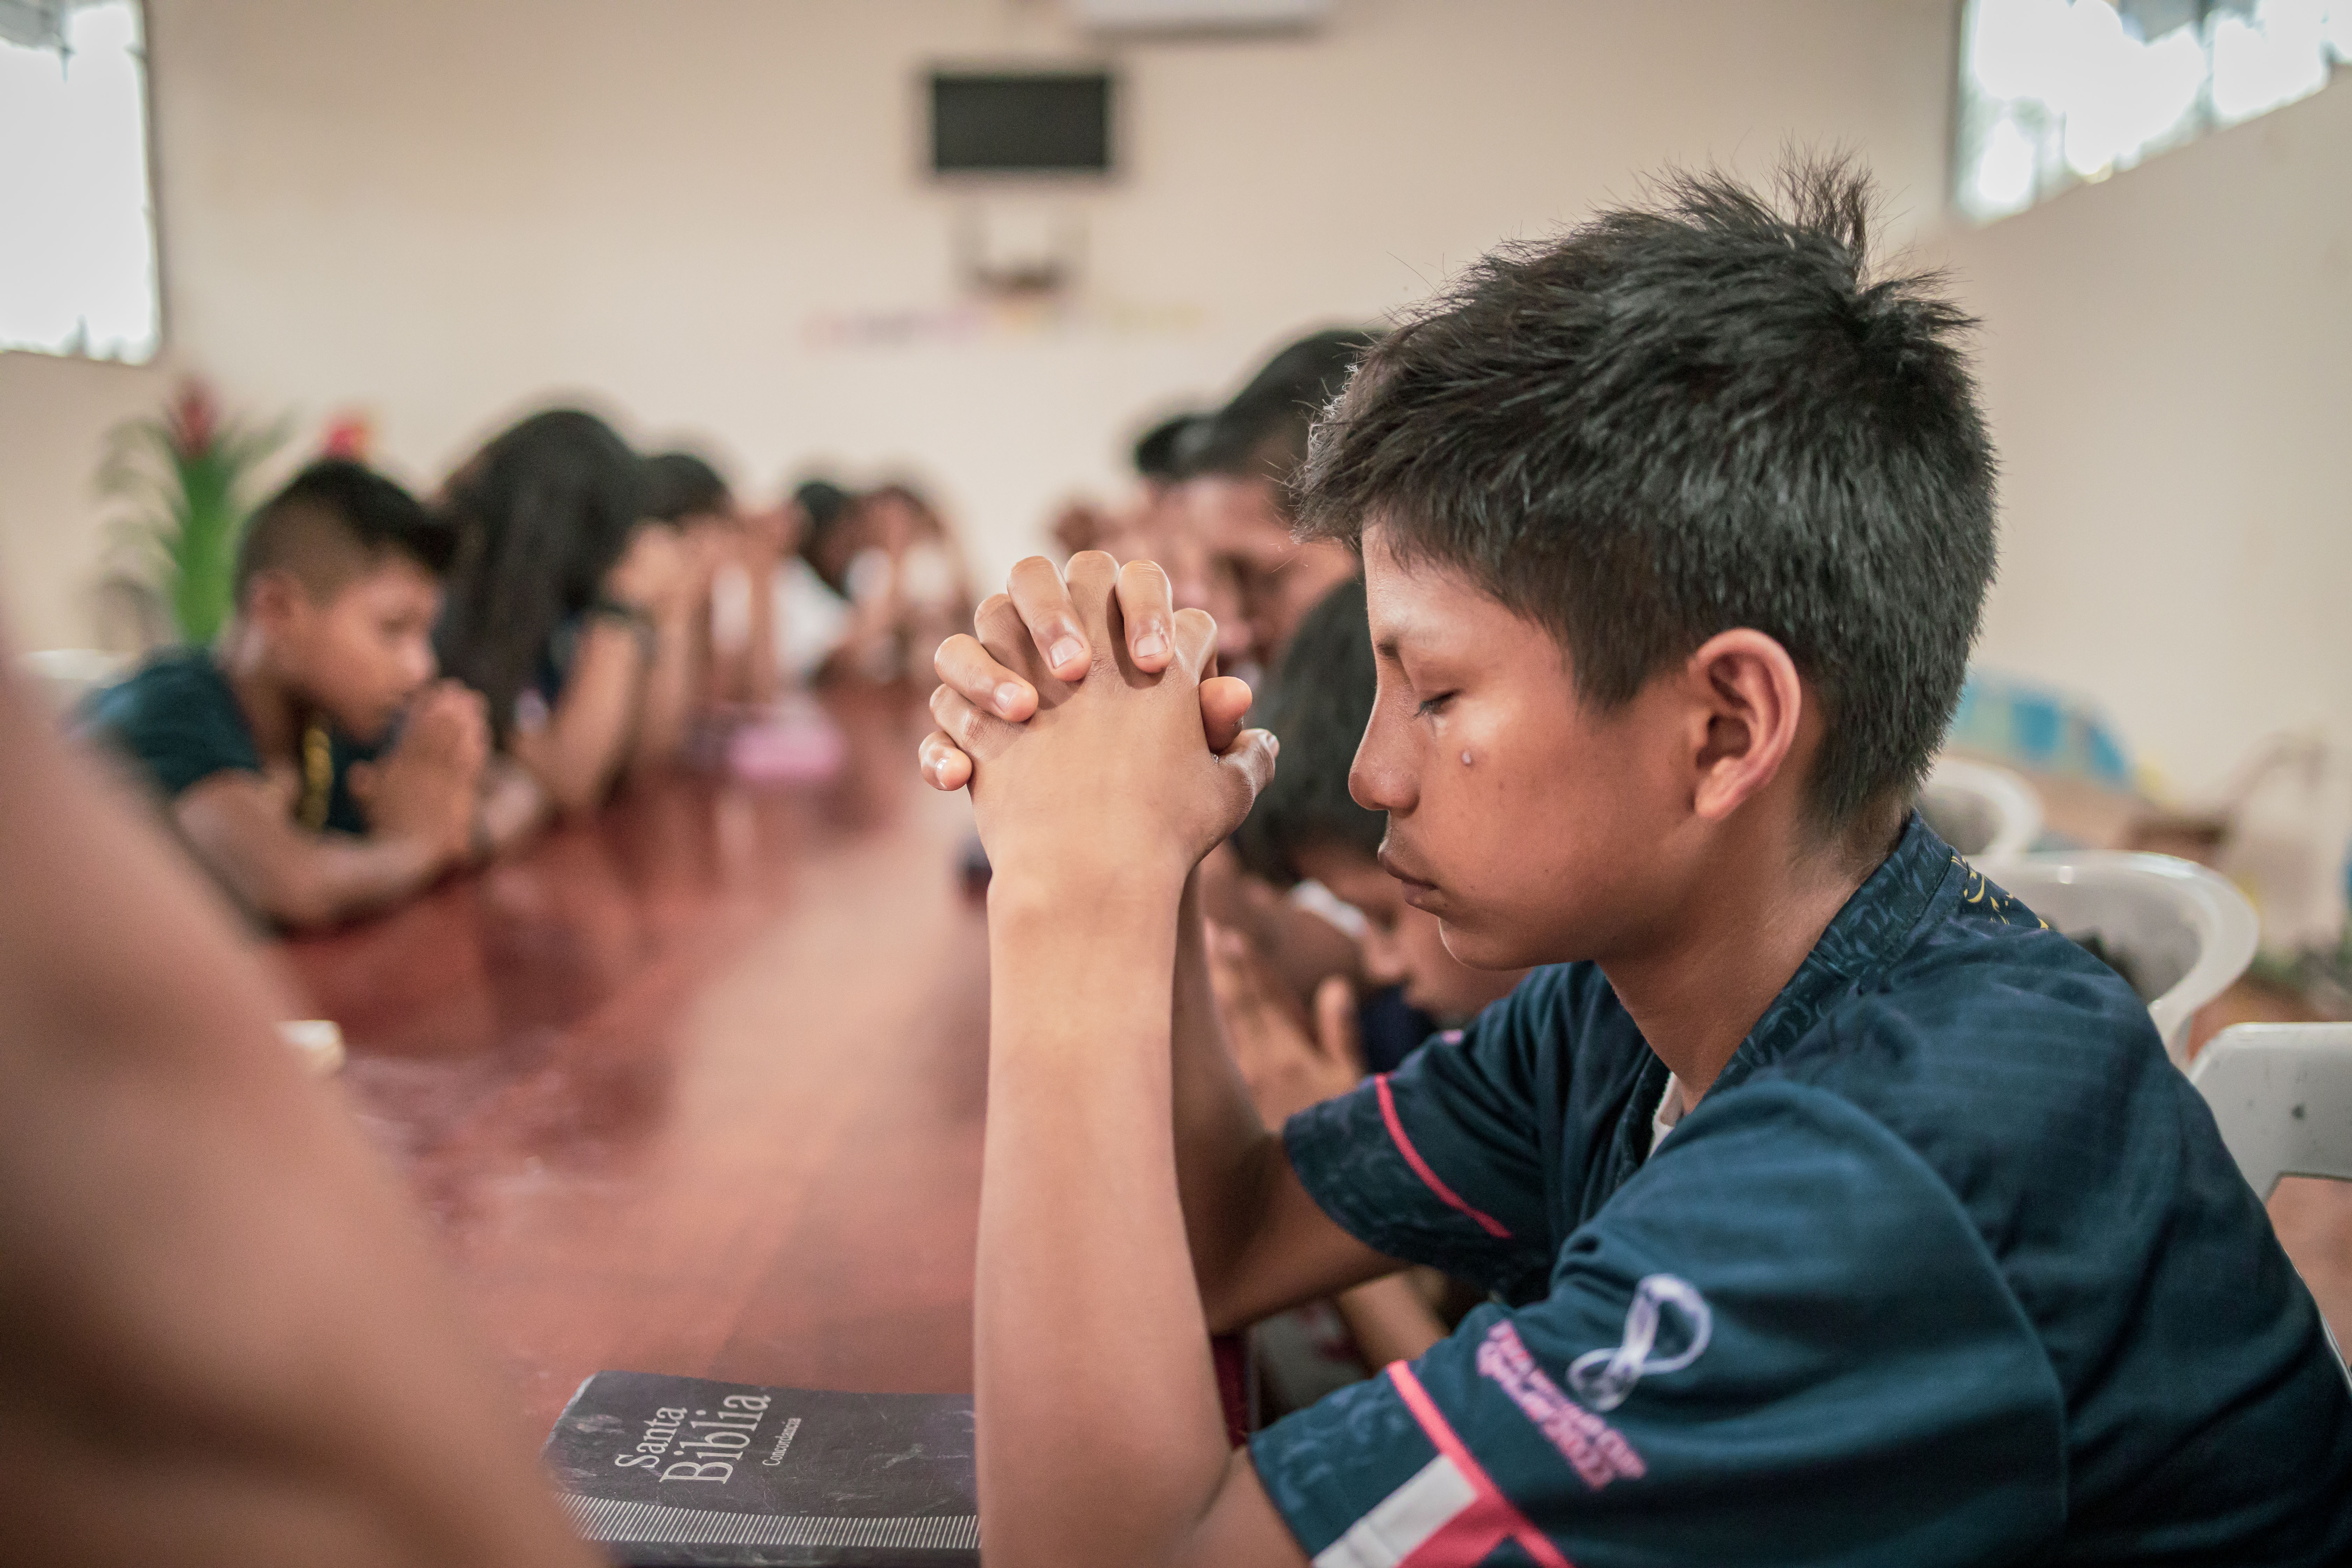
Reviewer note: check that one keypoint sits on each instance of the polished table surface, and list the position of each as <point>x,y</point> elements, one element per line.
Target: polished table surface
<point>697,1087</point>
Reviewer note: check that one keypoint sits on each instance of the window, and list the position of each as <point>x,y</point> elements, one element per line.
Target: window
<point>77,224</point>
<point>2056,92</point>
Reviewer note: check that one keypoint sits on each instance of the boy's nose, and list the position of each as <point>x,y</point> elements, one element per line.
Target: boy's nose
<point>1377,780</point>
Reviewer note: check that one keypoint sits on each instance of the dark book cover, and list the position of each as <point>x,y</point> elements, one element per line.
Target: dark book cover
<point>681,1470</point>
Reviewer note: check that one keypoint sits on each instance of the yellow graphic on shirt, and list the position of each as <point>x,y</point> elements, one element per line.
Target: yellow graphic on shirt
<point>318,778</point>
<point>1988,898</point>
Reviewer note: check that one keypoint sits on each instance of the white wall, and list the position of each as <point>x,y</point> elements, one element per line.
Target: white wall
<point>2167,364</point>
<point>54,532</point>
<point>443,210</point>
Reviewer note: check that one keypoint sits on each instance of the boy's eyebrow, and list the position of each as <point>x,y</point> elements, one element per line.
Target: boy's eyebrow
<point>1391,641</point>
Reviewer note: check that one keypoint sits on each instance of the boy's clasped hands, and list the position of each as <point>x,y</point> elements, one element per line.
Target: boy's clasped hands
<point>426,787</point>
<point>1105,754</point>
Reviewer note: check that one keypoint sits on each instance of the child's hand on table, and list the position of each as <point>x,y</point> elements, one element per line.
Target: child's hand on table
<point>1097,744</point>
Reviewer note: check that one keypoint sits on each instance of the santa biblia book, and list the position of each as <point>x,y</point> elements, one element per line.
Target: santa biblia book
<point>681,1470</point>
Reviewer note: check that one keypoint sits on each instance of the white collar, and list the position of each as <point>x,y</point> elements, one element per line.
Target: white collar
<point>1668,1113</point>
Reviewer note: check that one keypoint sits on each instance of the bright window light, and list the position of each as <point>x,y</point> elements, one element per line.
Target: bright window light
<point>2055,92</point>
<point>77,224</point>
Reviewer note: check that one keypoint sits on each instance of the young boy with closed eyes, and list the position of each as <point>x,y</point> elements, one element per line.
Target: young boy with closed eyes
<point>1834,1209</point>
<point>273,753</point>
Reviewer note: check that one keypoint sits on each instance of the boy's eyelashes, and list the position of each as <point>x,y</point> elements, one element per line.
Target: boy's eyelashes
<point>1429,707</point>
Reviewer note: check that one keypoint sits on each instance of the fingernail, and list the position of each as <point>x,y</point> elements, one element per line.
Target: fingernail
<point>1150,645</point>
<point>1065,650</point>
<point>1273,744</point>
<point>1006,695</point>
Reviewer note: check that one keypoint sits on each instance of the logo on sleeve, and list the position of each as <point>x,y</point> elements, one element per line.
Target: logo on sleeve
<point>1595,1450</point>
<point>1603,1378</point>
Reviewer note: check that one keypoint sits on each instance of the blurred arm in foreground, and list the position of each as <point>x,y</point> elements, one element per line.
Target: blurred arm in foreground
<point>227,1339</point>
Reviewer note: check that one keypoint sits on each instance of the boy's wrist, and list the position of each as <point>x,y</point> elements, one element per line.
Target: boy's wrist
<point>439,841</point>
<point>1084,895</point>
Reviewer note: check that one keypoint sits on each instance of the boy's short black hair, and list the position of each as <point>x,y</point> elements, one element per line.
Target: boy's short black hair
<point>1318,706</point>
<point>1262,433</point>
<point>679,485</point>
<point>1686,416</point>
<point>335,521</point>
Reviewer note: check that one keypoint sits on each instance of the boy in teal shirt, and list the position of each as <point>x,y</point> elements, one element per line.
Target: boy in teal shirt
<point>264,748</point>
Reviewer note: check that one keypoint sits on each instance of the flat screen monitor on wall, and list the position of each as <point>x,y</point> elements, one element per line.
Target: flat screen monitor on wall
<point>1004,122</point>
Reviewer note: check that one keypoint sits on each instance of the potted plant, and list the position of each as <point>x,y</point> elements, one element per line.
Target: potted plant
<point>188,469</point>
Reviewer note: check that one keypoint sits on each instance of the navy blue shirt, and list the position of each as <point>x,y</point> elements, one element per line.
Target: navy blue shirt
<point>1949,1266</point>
<point>178,719</point>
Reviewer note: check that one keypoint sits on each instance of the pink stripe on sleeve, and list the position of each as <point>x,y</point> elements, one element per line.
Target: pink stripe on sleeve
<point>1470,1535</point>
<point>1486,1222</point>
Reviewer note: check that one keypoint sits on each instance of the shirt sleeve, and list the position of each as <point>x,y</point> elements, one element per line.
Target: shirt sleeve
<point>1782,1342</point>
<point>178,732</point>
<point>1441,1161</point>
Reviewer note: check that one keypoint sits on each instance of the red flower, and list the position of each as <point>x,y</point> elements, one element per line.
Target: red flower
<point>349,435</point>
<point>192,419</point>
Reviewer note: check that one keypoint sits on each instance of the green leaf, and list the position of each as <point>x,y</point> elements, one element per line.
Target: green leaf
<point>189,509</point>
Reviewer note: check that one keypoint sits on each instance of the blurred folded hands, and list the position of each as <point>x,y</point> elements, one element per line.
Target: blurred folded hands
<point>1289,1060</point>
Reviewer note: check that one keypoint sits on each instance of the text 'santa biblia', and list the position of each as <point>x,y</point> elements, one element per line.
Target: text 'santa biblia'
<point>681,1470</point>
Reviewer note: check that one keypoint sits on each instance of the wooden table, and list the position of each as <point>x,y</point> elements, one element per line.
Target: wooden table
<point>696,1088</point>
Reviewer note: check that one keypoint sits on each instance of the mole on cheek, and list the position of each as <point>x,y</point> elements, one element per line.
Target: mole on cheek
<point>1465,759</point>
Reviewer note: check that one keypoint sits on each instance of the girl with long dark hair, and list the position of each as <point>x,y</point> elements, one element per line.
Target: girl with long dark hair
<point>569,608</point>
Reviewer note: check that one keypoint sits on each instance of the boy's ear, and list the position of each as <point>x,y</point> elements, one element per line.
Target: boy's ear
<point>272,599</point>
<point>1748,705</point>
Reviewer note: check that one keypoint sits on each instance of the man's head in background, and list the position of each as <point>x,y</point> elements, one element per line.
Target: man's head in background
<point>1676,531</point>
<point>338,580</point>
<point>1160,453</point>
<point>1234,501</point>
<point>1131,530</point>
<point>1305,824</point>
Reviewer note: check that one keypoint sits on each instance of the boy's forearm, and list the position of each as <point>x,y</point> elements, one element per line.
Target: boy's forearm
<point>576,756</point>
<point>336,879</point>
<point>1225,1156</point>
<point>511,808</point>
<point>1100,1434</point>
<point>297,879</point>
<point>758,656</point>
<point>1388,1320</point>
<point>669,694</point>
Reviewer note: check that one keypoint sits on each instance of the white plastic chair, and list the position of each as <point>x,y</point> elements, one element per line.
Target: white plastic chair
<point>2283,1096</point>
<point>2184,932</point>
<point>1990,814</point>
